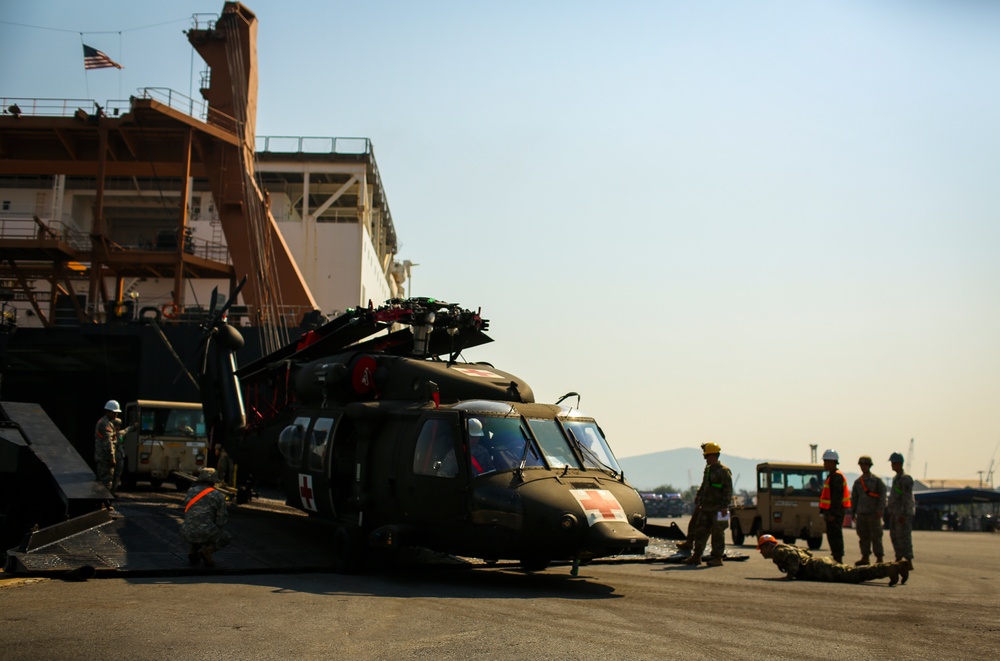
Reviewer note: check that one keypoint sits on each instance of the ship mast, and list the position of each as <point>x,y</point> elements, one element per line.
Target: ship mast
<point>255,243</point>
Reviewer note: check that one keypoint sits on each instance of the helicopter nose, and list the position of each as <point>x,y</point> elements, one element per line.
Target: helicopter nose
<point>614,537</point>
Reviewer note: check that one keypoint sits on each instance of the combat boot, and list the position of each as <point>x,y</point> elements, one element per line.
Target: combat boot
<point>862,562</point>
<point>206,555</point>
<point>714,562</point>
<point>695,558</point>
<point>893,574</point>
<point>903,569</point>
<point>878,560</point>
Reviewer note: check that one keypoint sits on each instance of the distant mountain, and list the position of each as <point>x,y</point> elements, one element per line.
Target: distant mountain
<point>683,468</point>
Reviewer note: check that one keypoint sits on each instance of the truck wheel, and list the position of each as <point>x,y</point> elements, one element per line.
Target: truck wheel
<point>815,542</point>
<point>737,533</point>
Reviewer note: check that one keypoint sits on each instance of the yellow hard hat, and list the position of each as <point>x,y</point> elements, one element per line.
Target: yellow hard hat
<point>710,448</point>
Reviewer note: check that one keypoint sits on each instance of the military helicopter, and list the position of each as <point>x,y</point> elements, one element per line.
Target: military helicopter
<point>371,421</point>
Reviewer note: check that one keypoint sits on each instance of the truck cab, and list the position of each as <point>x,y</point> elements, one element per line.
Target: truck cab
<point>163,438</point>
<point>787,505</point>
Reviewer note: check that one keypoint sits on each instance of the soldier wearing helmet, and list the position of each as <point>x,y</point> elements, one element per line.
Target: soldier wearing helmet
<point>799,563</point>
<point>867,507</point>
<point>107,448</point>
<point>714,498</point>
<point>834,501</point>
<point>901,509</point>
<point>205,519</point>
<point>480,448</point>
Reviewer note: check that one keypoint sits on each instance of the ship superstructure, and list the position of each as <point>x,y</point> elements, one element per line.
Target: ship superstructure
<point>118,219</point>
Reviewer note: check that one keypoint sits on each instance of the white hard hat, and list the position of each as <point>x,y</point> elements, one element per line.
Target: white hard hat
<point>831,455</point>
<point>112,405</point>
<point>475,427</point>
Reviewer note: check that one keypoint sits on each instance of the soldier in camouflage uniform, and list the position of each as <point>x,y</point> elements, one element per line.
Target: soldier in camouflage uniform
<point>107,452</point>
<point>205,518</point>
<point>714,498</point>
<point>798,563</point>
<point>867,507</point>
<point>901,509</point>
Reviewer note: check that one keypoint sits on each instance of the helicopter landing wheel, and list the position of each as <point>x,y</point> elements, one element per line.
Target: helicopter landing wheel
<point>348,549</point>
<point>534,564</point>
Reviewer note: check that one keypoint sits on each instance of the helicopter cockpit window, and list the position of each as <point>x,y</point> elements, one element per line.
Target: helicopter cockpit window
<point>593,446</point>
<point>499,444</point>
<point>554,445</point>
<point>318,441</point>
<point>291,440</point>
<point>435,450</point>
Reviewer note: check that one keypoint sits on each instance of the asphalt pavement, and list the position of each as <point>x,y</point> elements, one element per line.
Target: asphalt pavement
<point>950,608</point>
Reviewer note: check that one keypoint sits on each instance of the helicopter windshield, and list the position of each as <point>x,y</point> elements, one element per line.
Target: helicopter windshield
<point>593,446</point>
<point>498,444</point>
<point>550,437</point>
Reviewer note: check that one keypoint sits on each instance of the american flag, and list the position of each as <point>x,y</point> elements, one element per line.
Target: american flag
<point>95,59</point>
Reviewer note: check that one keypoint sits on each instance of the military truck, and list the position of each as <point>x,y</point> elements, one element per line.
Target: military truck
<point>162,439</point>
<point>787,505</point>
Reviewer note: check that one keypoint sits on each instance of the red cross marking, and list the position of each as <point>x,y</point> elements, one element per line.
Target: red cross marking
<point>601,501</point>
<point>470,371</point>
<point>305,490</point>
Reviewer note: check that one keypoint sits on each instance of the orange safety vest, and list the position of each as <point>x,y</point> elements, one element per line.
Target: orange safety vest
<point>824,496</point>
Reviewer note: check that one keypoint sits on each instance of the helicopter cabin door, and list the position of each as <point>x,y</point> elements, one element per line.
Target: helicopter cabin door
<point>304,445</point>
<point>436,489</point>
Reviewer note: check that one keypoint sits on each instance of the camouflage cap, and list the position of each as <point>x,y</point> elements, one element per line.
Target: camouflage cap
<point>865,459</point>
<point>208,475</point>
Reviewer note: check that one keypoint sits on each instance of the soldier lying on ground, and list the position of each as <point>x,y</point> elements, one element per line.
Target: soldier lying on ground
<point>798,563</point>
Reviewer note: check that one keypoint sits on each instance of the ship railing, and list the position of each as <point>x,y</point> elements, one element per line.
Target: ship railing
<point>185,104</point>
<point>59,107</point>
<point>116,107</point>
<point>204,21</point>
<point>23,227</point>
<point>160,309</point>
<point>287,144</point>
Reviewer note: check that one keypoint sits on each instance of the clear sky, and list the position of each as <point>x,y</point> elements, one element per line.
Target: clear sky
<point>765,224</point>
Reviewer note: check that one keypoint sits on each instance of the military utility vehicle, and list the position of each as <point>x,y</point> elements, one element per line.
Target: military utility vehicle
<point>161,439</point>
<point>787,505</point>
